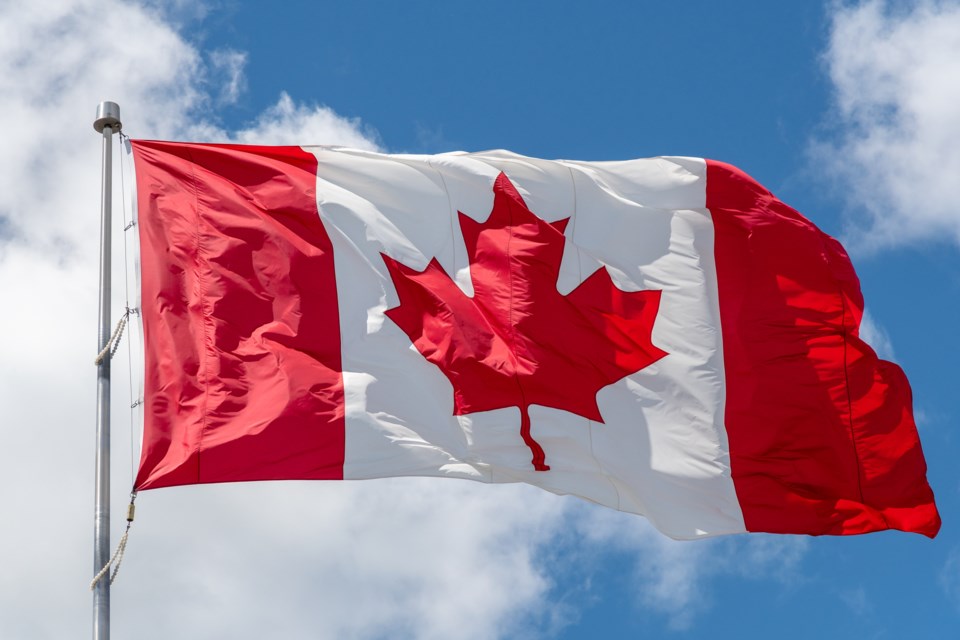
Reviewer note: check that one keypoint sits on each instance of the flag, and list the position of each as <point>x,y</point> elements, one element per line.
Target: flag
<point>662,336</point>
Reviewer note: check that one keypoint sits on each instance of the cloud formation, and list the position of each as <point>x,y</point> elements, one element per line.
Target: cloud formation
<point>892,66</point>
<point>877,337</point>
<point>229,65</point>
<point>673,578</point>
<point>287,122</point>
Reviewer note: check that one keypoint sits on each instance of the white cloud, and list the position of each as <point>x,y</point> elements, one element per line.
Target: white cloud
<point>877,337</point>
<point>893,67</point>
<point>674,577</point>
<point>229,64</point>
<point>857,601</point>
<point>394,558</point>
<point>287,122</point>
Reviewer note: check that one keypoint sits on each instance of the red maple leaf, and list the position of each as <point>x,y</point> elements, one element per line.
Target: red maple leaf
<point>518,341</point>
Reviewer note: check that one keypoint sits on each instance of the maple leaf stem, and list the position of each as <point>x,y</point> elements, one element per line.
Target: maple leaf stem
<point>538,455</point>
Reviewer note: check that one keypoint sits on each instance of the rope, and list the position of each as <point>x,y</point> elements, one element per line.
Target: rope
<point>117,556</point>
<point>114,342</point>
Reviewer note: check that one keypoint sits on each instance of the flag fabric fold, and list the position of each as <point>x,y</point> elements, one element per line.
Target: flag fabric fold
<point>662,336</point>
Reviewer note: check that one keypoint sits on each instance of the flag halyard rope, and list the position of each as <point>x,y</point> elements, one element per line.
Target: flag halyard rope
<point>117,556</point>
<point>113,343</point>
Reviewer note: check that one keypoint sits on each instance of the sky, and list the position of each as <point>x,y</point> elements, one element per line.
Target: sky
<point>846,110</point>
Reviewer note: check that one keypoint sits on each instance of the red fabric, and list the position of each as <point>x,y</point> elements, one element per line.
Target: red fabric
<point>231,242</point>
<point>822,437</point>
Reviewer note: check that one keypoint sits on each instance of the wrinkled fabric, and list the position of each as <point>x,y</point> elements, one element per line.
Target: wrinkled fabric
<point>661,336</point>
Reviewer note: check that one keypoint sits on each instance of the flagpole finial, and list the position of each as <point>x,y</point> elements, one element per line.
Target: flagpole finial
<point>108,115</point>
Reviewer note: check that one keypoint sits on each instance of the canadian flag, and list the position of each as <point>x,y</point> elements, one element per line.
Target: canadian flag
<point>662,336</point>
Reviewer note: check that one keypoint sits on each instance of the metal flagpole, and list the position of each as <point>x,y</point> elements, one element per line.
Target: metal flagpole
<point>107,123</point>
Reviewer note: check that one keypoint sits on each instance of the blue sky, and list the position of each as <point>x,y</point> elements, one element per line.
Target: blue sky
<point>846,110</point>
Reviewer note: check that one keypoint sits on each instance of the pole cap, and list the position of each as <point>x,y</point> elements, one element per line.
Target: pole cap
<point>108,115</point>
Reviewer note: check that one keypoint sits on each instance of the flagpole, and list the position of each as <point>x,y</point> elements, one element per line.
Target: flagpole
<point>107,123</point>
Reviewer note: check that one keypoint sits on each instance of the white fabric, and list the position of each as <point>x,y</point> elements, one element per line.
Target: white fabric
<point>662,450</point>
